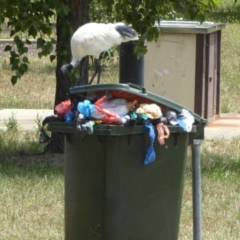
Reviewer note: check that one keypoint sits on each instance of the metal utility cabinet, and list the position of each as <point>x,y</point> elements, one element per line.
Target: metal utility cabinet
<point>184,65</point>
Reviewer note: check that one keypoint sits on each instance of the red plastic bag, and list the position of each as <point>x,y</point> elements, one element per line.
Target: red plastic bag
<point>108,116</point>
<point>62,108</point>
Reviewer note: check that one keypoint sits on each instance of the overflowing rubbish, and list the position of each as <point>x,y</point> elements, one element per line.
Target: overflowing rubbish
<point>87,113</point>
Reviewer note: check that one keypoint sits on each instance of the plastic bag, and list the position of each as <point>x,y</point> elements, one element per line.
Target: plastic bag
<point>152,111</point>
<point>108,110</point>
<point>62,108</point>
<point>185,120</point>
<point>151,155</point>
<point>117,105</point>
<point>85,108</point>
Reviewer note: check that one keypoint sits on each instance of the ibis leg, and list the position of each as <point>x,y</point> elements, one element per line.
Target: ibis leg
<point>98,70</point>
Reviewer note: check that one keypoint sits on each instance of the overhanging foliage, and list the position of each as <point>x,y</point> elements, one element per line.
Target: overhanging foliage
<point>34,18</point>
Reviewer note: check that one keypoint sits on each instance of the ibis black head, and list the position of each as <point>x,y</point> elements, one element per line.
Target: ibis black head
<point>126,32</point>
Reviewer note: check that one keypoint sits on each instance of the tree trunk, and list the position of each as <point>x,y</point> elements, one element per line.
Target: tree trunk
<point>78,15</point>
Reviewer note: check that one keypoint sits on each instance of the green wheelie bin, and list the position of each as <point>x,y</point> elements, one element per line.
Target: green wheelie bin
<point>109,193</point>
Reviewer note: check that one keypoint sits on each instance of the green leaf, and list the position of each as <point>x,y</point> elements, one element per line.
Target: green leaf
<point>7,48</point>
<point>53,41</point>
<point>25,49</point>
<point>22,49</point>
<point>14,80</point>
<point>23,67</point>
<point>40,54</point>
<point>40,42</point>
<point>14,54</point>
<point>32,32</point>
<point>25,59</point>
<point>52,57</point>
<point>28,42</point>
<point>16,38</point>
<point>19,72</point>
<point>12,33</point>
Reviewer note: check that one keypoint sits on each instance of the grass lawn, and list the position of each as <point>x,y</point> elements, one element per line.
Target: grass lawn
<point>220,191</point>
<point>32,187</point>
<point>31,204</point>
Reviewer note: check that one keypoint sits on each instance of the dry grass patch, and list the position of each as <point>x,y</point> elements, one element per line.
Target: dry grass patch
<point>31,203</point>
<point>31,186</point>
<point>230,61</point>
<point>220,192</point>
<point>220,206</point>
<point>34,90</point>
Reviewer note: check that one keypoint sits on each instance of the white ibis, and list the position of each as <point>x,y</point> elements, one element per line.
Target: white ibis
<point>92,39</point>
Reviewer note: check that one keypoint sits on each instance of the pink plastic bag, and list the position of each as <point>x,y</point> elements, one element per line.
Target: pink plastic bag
<point>62,108</point>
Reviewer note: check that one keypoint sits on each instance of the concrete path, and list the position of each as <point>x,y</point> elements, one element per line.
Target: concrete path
<point>227,126</point>
<point>26,118</point>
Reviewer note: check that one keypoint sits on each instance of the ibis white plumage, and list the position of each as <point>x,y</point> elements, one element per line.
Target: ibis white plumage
<point>92,39</point>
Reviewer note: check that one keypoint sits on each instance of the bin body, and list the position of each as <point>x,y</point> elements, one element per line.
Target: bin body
<point>186,59</point>
<point>110,194</point>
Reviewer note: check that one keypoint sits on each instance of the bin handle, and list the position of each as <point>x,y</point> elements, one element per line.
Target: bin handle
<point>132,85</point>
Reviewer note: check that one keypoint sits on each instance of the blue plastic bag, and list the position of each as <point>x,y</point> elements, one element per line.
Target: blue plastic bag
<point>151,155</point>
<point>85,108</point>
<point>69,116</point>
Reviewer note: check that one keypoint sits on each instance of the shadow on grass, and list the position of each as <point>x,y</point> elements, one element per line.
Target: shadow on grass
<point>219,157</point>
<point>221,164</point>
<point>32,165</point>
